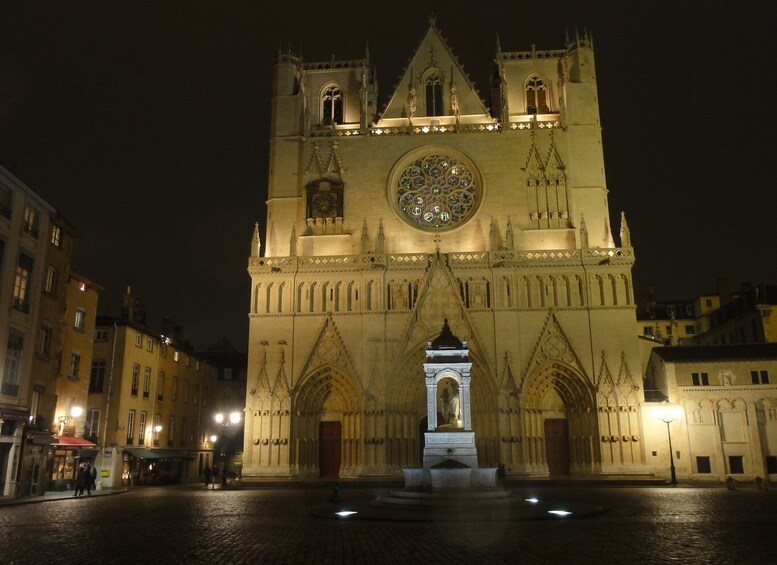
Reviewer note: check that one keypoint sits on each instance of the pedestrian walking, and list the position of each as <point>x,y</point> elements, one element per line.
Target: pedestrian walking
<point>208,476</point>
<point>87,480</point>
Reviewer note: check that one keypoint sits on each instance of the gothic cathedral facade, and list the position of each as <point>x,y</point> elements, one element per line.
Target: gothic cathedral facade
<point>383,223</point>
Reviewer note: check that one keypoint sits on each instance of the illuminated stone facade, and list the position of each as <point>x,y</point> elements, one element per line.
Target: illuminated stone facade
<point>382,225</point>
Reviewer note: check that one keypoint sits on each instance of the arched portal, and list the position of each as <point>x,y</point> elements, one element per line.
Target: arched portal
<point>559,421</point>
<point>325,436</point>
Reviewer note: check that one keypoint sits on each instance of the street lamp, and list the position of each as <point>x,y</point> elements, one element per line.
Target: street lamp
<point>225,421</point>
<point>668,413</point>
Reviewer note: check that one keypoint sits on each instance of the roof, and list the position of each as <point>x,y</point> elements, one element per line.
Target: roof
<point>689,354</point>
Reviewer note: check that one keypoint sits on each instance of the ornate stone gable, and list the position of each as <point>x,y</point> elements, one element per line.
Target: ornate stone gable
<point>438,300</point>
<point>262,389</point>
<point>507,384</point>
<point>552,345</point>
<point>328,350</point>
<point>618,390</point>
<point>320,167</point>
<point>434,57</point>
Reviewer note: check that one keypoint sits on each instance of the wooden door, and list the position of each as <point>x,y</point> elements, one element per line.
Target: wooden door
<point>557,446</point>
<point>329,441</point>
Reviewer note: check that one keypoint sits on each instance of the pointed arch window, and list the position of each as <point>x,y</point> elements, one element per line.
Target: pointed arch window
<point>536,96</point>
<point>433,92</point>
<point>332,105</point>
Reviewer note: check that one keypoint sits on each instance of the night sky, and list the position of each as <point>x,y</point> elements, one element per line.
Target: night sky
<point>146,125</point>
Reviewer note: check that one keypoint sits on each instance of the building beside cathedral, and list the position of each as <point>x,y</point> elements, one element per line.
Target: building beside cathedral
<point>382,223</point>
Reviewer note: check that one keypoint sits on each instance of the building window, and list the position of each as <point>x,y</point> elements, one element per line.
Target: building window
<point>163,349</point>
<point>332,106</point>
<point>149,344</point>
<point>142,429</point>
<point>197,365</point>
<point>160,386</point>
<point>101,335</point>
<point>31,221</point>
<point>130,427</point>
<point>186,391</point>
<point>174,388</point>
<point>46,334</point>
<point>170,429</point>
<point>75,365</point>
<point>6,199</point>
<point>92,424</point>
<point>703,465</point>
<point>21,287</point>
<point>175,356</point>
<point>147,382</point>
<point>135,378</point>
<point>97,376</point>
<point>690,329</point>
<point>79,319</point>
<point>56,236</point>
<point>759,377</point>
<point>138,340</point>
<point>51,281</point>
<point>157,425</point>
<point>433,92</point>
<point>700,379</point>
<point>736,464</point>
<point>536,96</point>
<point>647,330</point>
<point>11,368</point>
<point>771,464</point>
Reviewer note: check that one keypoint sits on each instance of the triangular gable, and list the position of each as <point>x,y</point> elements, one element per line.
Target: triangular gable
<point>280,389</point>
<point>553,345</point>
<point>262,388</point>
<point>329,350</point>
<point>434,55</point>
<point>319,167</point>
<point>438,300</point>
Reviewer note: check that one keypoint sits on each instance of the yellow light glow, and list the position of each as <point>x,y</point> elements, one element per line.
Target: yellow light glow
<point>667,412</point>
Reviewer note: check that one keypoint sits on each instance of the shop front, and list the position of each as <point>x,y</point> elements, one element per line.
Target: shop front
<point>69,453</point>
<point>152,466</point>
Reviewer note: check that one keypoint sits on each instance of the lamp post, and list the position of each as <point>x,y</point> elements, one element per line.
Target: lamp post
<point>225,421</point>
<point>668,413</point>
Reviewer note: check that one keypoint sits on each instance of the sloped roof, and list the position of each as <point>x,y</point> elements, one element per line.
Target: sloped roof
<point>690,354</point>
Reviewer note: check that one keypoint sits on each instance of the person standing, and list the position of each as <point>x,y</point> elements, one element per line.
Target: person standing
<point>87,480</point>
<point>80,481</point>
<point>93,477</point>
<point>208,476</point>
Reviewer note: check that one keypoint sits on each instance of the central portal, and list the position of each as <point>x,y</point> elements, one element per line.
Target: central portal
<point>557,446</point>
<point>329,442</point>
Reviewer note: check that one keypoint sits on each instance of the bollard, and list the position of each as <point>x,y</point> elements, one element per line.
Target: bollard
<point>731,484</point>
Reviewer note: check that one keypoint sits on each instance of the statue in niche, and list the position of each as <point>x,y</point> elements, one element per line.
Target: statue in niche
<point>454,102</point>
<point>451,406</point>
<point>411,105</point>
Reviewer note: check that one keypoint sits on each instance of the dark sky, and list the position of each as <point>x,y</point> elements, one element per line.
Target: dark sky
<point>145,123</point>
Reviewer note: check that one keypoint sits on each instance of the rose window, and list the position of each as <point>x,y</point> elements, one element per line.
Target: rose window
<point>436,192</point>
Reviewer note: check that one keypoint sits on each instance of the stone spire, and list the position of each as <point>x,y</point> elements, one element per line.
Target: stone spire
<point>365,238</point>
<point>293,242</point>
<point>380,241</point>
<point>509,235</point>
<point>625,232</point>
<point>583,233</point>
<point>256,242</point>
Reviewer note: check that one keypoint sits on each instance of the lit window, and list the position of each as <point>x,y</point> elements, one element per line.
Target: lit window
<point>130,427</point>
<point>51,280</point>
<point>21,288</point>
<point>56,236</point>
<point>142,429</point>
<point>536,96</point>
<point>92,424</point>
<point>31,221</point>
<point>175,356</point>
<point>332,106</point>
<point>433,86</point>
<point>79,320</point>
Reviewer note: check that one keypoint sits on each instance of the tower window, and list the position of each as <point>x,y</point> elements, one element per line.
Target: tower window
<point>433,84</point>
<point>332,106</point>
<point>536,96</point>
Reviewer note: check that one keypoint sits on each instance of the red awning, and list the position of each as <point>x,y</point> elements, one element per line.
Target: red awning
<point>72,441</point>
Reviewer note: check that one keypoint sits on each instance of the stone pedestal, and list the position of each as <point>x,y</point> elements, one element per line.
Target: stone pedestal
<point>454,445</point>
